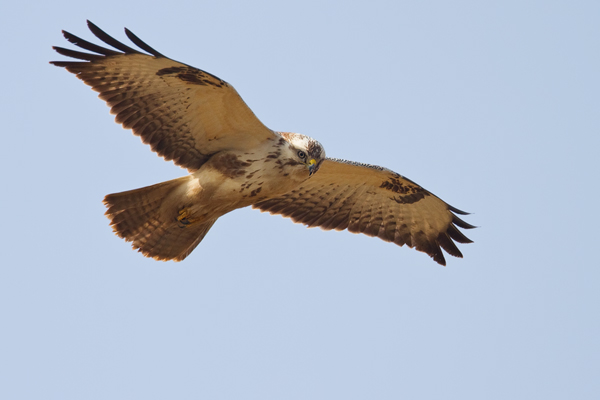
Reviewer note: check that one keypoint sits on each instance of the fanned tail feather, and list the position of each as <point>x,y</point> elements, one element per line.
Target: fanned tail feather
<point>142,216</point>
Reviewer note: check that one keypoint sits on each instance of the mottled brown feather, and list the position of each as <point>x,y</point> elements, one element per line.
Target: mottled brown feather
<point>374,201</point>
<point>184,114</point>
<point>138,217</point>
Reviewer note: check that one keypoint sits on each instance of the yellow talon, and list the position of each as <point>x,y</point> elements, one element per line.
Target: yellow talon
<point>183,214</point>
<point>183,219</point>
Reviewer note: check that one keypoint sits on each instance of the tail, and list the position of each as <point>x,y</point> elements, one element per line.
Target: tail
<point>143,217</point>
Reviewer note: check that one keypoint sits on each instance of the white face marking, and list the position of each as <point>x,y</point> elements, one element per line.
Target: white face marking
<point>300,141</point>
<point>300,157</point>
<point>306,144</point>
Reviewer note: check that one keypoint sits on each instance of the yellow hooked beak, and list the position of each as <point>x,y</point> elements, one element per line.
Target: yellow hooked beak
<point>312,164</point>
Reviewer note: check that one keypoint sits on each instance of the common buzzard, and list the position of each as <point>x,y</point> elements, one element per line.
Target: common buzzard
<point>201,123</point>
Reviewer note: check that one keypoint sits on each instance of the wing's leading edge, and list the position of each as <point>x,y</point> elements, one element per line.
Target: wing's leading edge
<point>377,202</point>
<point>184,114</point>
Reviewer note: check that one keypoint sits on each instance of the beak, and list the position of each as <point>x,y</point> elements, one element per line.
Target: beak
<point>312,167</point>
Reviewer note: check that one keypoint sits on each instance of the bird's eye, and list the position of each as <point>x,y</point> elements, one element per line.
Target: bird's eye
<point>301,154</point>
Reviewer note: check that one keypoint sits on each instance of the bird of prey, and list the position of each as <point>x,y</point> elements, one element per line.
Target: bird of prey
<point>201,123</point>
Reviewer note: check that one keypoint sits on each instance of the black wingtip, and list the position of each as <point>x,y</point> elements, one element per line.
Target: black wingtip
<point>99,52</point>
<point>456,210</point>
<point>77,54</point>
<point>459,222</point>
<point>439,258</point>
<point>84,44</point>
<point>90,24</point>
<point>106,38</point>
<point>141,44</point>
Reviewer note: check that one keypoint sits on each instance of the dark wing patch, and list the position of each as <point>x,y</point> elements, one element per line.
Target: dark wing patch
<point>192,75</point>
<point>375,201</point>
<point>184,114</point>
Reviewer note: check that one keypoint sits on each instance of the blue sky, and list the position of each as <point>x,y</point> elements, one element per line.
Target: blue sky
<point>492,106</point>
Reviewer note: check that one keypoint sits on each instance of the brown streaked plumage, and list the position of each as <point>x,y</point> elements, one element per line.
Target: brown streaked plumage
<point>360,198</point>
<point>201,123</point>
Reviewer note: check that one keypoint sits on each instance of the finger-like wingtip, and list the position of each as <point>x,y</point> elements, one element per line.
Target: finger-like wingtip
<point>141,44</point>
<point>106,38</point>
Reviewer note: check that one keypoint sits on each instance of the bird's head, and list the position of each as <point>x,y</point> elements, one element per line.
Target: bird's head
<point>304,154</point>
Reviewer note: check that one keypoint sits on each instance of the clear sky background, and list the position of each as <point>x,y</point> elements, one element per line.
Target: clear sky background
<point>493,106</point>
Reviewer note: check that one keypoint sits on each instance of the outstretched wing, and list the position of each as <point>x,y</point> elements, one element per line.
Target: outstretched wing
<point>183,113</point>
<point>375,201</point>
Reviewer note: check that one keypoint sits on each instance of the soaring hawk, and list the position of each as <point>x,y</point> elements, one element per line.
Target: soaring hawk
<point>201,123</point>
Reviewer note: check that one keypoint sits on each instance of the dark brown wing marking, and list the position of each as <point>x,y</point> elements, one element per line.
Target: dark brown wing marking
<point>377,202</point>
<point>184,114</point>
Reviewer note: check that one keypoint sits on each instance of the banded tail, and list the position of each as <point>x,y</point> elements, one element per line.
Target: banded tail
<point>148,218</point>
